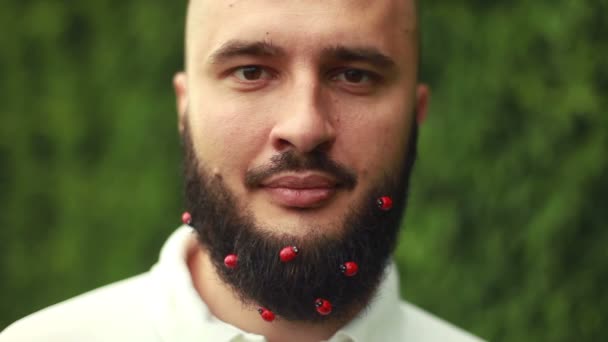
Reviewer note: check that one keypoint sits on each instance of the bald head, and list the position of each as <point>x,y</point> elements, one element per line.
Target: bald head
<point>206,17</point>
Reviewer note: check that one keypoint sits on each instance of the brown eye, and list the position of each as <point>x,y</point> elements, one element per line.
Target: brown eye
<point>251,73</point>
<point>354,76</point>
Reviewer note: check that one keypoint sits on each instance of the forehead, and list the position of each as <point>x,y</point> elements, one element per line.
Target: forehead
<point>302,25</point>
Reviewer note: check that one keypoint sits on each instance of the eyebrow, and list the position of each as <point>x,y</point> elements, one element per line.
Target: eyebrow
<point>236,48</point>
<point>369,55</point>
<point>341,53</point>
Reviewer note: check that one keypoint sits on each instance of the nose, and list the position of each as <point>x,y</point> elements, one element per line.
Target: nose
<point>306,122</point>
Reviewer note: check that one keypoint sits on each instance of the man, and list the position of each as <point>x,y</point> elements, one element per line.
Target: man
<point>299,123</point>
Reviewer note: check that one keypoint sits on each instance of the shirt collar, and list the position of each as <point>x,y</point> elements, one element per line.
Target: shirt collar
<point>382,314</point>
<point>181,315</point>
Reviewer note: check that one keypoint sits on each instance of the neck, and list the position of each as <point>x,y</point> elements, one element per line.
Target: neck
<point>226,306</point>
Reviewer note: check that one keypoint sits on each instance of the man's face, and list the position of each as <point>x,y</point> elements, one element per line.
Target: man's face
<point>267,77</point>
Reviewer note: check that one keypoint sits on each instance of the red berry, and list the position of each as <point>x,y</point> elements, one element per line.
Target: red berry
<point>186,218</point>
<point>385,203</point>
<point>266,314</point>
<point>231,260</point>
<point>349,268</point>
<point>323,306</point>
<point>288,253</point>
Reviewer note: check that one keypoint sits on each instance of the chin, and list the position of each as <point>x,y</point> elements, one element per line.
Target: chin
<point>303,222</point>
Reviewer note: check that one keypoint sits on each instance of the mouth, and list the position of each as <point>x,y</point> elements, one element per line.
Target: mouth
<point>302,191</point>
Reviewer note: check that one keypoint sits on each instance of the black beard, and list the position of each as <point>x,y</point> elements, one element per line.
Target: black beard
<point>368,238</point>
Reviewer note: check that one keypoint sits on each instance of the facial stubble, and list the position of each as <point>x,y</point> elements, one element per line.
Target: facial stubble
<point>368,237</point>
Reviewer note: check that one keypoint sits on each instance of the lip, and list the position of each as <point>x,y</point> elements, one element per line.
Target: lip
<point>300,191</point>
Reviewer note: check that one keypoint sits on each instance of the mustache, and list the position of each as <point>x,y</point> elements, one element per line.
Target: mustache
<point>293,161</point>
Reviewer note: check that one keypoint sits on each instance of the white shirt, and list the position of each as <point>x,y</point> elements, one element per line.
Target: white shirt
<point>162,305</point>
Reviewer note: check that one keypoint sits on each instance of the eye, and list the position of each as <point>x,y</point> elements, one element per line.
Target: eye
<point>354,76</point>
<point>251,73</point>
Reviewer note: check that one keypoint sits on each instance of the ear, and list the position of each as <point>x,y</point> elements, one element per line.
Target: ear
<point>180,84</point>
<point>423,95</point>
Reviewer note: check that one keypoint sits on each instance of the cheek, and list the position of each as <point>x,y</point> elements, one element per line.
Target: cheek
<point>375,139</point>
<point>228,136</point>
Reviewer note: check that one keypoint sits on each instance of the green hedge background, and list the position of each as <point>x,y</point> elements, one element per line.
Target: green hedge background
<point>507,228</point>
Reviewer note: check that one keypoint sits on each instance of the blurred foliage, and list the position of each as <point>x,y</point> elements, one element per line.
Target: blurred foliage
<point>506,228</point>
